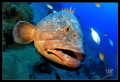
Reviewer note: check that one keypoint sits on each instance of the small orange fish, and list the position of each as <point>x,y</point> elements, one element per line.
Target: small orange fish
<point>57,37</point>
<point>101,56</point>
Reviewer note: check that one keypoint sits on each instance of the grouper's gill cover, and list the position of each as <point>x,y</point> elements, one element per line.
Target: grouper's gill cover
<point>57,37</point>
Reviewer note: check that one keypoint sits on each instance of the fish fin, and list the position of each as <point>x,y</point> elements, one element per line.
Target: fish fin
<point>68,10</point>
<point>23,32</point>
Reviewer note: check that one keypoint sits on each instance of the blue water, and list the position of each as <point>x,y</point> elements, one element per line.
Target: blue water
<point>104,20</point>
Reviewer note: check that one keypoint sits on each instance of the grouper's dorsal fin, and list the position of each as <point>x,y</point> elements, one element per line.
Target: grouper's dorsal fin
<point>68,10</point>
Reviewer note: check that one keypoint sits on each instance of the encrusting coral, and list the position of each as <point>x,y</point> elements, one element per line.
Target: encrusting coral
<point>11,14</point>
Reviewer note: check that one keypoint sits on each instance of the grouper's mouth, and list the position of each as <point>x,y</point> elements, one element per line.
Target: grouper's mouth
<point>71,56</point>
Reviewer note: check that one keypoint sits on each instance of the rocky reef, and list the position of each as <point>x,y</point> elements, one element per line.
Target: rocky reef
<point>11,14</point>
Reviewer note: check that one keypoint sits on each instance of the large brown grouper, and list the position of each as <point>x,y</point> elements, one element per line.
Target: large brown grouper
<point>57,37</point>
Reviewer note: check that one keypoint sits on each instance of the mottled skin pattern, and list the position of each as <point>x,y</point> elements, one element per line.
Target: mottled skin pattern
<point>56,32</point>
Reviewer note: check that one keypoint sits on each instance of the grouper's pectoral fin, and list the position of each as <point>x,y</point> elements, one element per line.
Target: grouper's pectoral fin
<point>23,32</point>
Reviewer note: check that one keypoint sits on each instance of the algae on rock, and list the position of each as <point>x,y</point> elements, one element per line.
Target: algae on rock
<point>11,14</point>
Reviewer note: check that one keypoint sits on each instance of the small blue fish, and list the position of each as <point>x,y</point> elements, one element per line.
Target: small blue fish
<point>111,42</point>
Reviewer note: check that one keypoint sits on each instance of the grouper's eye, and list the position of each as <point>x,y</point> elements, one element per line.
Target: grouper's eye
<point>67,29</point>
<point>74,35</point>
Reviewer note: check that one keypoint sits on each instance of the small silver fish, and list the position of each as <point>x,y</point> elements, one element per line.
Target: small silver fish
<point>49,6</point>
<point>95,36</point>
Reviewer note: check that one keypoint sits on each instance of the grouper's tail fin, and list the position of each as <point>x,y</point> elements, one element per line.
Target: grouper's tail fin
<point>23,32</point>
<point>68,10</point>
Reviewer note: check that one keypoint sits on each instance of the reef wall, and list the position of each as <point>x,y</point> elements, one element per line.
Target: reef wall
<point>11,14</point>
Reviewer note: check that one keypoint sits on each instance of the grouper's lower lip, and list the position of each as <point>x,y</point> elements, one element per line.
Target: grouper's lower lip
<point>65,58</point>
<point>69,55</point>
<point>66,54</point>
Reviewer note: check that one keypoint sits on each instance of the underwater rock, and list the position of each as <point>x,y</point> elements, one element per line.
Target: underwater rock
<point>64,74</point>
<point>6,34</point>
<point>42,67</point>
<point>16,63</point>
<point>31,76</point>
<point>11,14</point>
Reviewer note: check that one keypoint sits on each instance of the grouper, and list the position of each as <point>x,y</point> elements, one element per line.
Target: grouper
<point>57,37</point>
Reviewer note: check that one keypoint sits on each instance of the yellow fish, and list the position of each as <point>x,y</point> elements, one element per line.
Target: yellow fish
<point>105,34</point>
<point>57,37</point>
<point>49,6</point>
<point>101,56</point>
<point>97,4</point>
